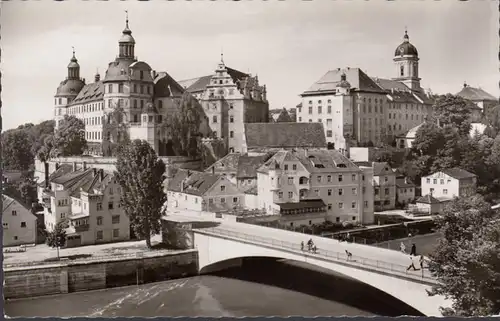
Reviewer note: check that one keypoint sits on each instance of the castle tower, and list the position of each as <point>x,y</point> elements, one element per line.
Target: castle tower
<point>67,90</point>
<point>126,42</point>
<point>406,62</point>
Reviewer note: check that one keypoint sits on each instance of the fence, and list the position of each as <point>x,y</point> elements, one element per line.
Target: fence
<point>90,259</point>
<point>354,260</point>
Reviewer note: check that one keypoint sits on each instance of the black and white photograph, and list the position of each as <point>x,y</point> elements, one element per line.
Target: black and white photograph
<point>250,158</point>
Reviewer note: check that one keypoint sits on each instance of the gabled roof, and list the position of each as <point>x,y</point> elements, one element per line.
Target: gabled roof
<point>380,167</point>
<point>390,84</point>
<point>357,78</point>
<point>404,183</point>
<point>227,164</point>
<point>248,165</point>
<point>428,199</point>
<point>475,94</point>
<point>458,173</point>
<point>285,135</point>
<point>90,92</point>
<point>7,201</point>
<point>166,86</point>
<point>195,183</point>
<point>196,85</point>
<point>94,183</point>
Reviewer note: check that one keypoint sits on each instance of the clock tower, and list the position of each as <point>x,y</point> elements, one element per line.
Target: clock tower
<point>406,63</point>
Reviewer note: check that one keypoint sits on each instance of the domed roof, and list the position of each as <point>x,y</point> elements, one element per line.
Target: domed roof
<point>118,70</point>
<point>127,34</point>
<point>406,48</point>
<point>73,63</point>
<point>70,87</point>
<point>343,82</point>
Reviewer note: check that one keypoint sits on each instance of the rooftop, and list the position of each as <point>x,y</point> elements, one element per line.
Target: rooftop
<point>195,183</point>
<point>428,199</point>
<point>458,173</point>
<point>285,135</point>
<point>475,94</point>
<point>90,92</point>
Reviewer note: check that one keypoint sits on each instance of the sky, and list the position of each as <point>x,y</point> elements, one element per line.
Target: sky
<point>288,44</point>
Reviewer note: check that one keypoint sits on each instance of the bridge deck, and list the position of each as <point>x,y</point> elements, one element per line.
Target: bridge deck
<point>363,256</point>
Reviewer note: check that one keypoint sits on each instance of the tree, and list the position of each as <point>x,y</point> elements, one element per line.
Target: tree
<point>184,127</point>
<point>454,110</point>
<point>140,174</point>
<point>492,119</point>
<point>57,237</point>
<point>115,131</point>
<point>16,150</point>
<point>467,258</point>
<point>69,139</point>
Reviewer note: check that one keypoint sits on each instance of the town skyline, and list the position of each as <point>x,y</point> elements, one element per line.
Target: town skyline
<point>289,45</point>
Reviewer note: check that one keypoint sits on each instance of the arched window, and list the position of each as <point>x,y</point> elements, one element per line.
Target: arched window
<point>160,104</point>
<point>402,70</point>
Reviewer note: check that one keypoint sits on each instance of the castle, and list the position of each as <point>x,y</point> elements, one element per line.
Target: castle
<point>134,98</point>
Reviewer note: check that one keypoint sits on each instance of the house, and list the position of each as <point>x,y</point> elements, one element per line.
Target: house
<point>267,137</point>
<point>405,190</point>
<point>19,224</point>
<point>226,166</point>
<point>200,191</point>
<point>429,205</point>
<point>88,200</point>
<point>482,99</point>
<point>312,186</point>
<point>384,185</point>
<point>449,183</point>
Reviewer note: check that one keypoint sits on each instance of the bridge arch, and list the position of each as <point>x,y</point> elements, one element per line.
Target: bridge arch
<point>214,249</point>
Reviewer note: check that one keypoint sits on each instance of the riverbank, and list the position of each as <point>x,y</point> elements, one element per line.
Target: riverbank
<point>68,276</point>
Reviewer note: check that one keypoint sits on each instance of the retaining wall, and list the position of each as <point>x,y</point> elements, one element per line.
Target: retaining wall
<point>23,282</point>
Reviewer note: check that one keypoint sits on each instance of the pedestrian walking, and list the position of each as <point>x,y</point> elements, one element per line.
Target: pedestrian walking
<point>412,265</point>
<point>314,249</point>
<point>413,250</point>
<point>421,261</point>
<point>349,255</point>
<point>402,247</point>
<point>302,246</point>
<point>309,245</point>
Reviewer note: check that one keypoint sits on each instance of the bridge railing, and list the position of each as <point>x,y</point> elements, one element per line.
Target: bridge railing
<point>354,260</point>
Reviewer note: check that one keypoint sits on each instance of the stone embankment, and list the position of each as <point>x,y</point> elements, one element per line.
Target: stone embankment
<point>66,277</point>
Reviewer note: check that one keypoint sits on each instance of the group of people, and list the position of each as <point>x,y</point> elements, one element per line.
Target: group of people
<point>413,253</point>
<point>311,247</point>
<point>413,250</point>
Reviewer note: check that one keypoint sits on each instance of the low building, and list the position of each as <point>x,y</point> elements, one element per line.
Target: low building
<point>272,137</point>
<point>312,186</point>
<point>88,201</point>
<point>429,205</point>
<point>200,191</point>
<point>19,224</point>
<point>405,191</point>
<point>407,140</point>
<point>449,183</point>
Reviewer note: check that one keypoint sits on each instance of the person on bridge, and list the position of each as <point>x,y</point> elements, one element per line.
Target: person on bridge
<point>402,247</point>
<point>421,261</point>
<point>314,249</point>
<point>302,245</point>
<point>349,255</point>
<point>413,250</point>
<point>309,245</point>
<point>412,265</point>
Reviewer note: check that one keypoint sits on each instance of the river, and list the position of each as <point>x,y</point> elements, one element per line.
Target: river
<point>261,287</point>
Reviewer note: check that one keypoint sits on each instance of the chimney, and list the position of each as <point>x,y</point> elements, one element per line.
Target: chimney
<point>213,170</point>
<point>74,166</point>
<point>95,171</point>
<point>46,167</point>
<point>465,84</point>
<point>97,77</point>
<point>101,175</point>
<point>84,165</point>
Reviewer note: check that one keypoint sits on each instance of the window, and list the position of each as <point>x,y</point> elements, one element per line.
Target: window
<point>354,218</point>
<point>341,191</point>
<point>111,191</point>
<point>329,109</point>
<point>386,178</point>
<point>63,215</point>
<point>99,235</point>
<point>231,104</point>
<point>330,192</point>
<point>110,89</point>
<point>210,201</point>
<point>231,119</point>
<point>214,119</point>
<point>142,103</point>
<point>110,205</point>
<point>434,181</point>
<point>432,190</point>
<point>222,200</point>
<point>280,195</point>
<point>402,71</point>
<point>14,213</point>
<point>294,167</point>
<point>223,188</point>
<point>115,219</point>
<point>354,191</point>
<point>329,206</point>
<point>23,224</point>
<point>231,134</point>
<point>120,88</point>
<point>354,205</point>
<point>442,181</point>
<point>135,88</point>
<point>445,191</point>
<point>340,178</point>
<point>320,109</point>
<point>290,180</point>
<point>142,74</point>
<point>300,119</point>
<point>341,205</point>
<point>99,220</point>
<point>376,191</point>
<point>286,167</point>
<point>386,191</point>
<point>310,110</point>
<point>329,133</point>
<point>5,225</point>
<point>116,232</point>
<point>428,181</point>
<point>366,203</point>
<point>160,104</point>
<point>319,179</point>
<point>290,194</point>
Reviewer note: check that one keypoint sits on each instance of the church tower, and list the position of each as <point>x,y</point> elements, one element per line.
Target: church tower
<point>406,63</point>
<point>126,43</point>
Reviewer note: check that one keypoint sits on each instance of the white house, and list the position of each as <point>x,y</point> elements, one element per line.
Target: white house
<point>449,183</point>
<point>19,224</point>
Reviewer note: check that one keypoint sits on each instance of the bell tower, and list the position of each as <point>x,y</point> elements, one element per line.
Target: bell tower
<point>406,63</point>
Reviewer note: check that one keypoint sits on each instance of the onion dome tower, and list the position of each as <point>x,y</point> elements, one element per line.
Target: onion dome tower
<point>68,89</point>
<point>126,42</point>
<point>406,62</point>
